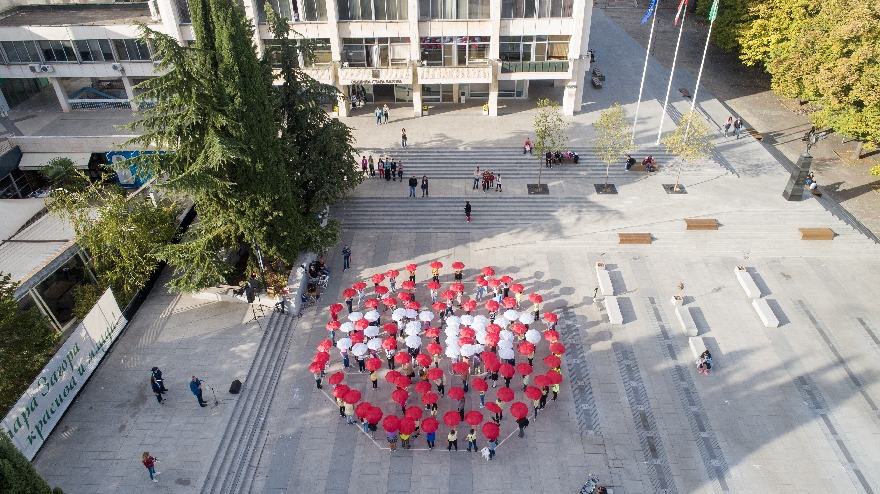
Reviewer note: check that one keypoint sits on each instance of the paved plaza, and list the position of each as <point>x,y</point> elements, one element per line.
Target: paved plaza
<point>791,409</point>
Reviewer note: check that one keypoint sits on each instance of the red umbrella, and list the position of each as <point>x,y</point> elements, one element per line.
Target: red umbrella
<point>451,419</point>
<point>433,285</point>
<point>407,425</point>
<point>519,410</point>
<point>321,357</point>
<point>457,287</point>
<point>377,278</point>
<point>360,285</point>
<point>460,367</point>
<point>362,409</point>
<point>389,301</point>
<point>473,418</point>
<point>325,345</point>
<point>361,324</point>
<point>516,288</point>
<point>435,373</point>
<point>412,304</point>
<point>491,305</point>
<point>534,297</point>
<point>408,285</point>
<point>411,267</point>
<point>557,348</point>
<point>404,296</point>
<point>493,328</point>
<point>493,407</point>
<point>468,333</point>
<point>465,341</point>
<point>374,364</point>
<point>508,302</point>
<point>374,415</point>
<point>413,412</point>
<point>336,308</point>
<point>429,398</point>
<point>486,355</point>
<point>432,333</point>
<point>491,431</point>
<point>506,279</point>
<point>439,306</point>
<point>349,292</point>
<point>554,376</point>
<point>402,358</point>
<point>340,391</point>
<point>352,397</point>
<point>336,378</point>
<point>381,290</point>
<point>507,370</point>
<point>391,423</point>
<point>392,375</point>
<point>315,367</point>
<point>423,387</point>
<point>436,265</point>
<point>389,327</point>
<point>469,305</point>
<point>491,365</point>
<point>552,361</point>
<point>542,381</point>
<point>448,294</point>
<point>482,281</point>
<point>551,335</point>
<point>334,326</point>
<point>505,394</point>
<point>551,317</point>
<point>487,271</point>
<point>392,273</point>
<point>399,396</point>
<point>430,425</point>
<point>434,349</point>
<point>480,384</point>
<point>458,265</point>
<point>492,339</point>
<point>371,303</point>
<point>524,369</point>
<point>390,343</point>
<point>423,359</point>
<point>526,348</point>
<point>402,382</point>
<point>456,393</point>
<point>494,282</point>
<point>357,337</point>
<point>533,392</point>
<point>518,328</point>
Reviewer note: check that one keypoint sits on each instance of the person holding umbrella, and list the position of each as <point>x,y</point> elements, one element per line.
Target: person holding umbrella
<point>452,440</point>
<point>555,390</point>
<point>430,437</point>
<point>492,444</point>
<point>472,440</point>
<point>441,387</point>
<point>522,423</point>
<point>318,379</point>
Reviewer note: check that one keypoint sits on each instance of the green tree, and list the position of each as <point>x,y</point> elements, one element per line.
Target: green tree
<point>26,344</point>
<point>613,138</point>
<point>122,237</point>
<point>61,173</point>
<point>17,474</point>
<point>690,141</point>
<point>550,130</point>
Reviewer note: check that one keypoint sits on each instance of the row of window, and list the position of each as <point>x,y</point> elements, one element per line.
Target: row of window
<point>455,51</point>
<point>533,48</point>
<point>370,10</point>
<point>375,52</point>
<point>81,50</point>
<point>453,9</point>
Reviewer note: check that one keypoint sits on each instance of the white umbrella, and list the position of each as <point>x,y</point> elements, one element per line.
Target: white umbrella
<point>413,328</point>
<point>344,343</point>
<point>412,314</point>
<point>371,332</point>
<point>467,319</point>
<point>480,336</point>
<point>527,318</point>
<point>413,341</point>
<point>452,330</point>
<point>478,326</point>
<point>480,319</point>
<point>359,349</point>
<point>346,327</point>
<point>372,316</point>
<point>374,344</point>
<point>426,316</point>
<point>455,320</point>
<point>479,348</point>
<point>533,336</point>
<point>468,350</point>
<point>398,314</point>
<point>505,344</point>
<point>505,353</point>
<point>355,316</point>
<point>452,351</point>
<point>507,335</point>
<point>511,315</point>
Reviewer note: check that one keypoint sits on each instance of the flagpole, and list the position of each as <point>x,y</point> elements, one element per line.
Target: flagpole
<point>682,7</point>
<point>644,73</point>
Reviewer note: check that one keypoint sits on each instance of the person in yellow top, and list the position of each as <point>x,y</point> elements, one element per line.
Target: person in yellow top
<point>404,438</point>
<point>435,274</point>
<point>472,440</point>
<point>341,405</point>
<point>375,378</point>
<point>555,389</point>
<point>525,382</point>
<point>452,439</point>
<point>501,406</point>
<point>349,413</point>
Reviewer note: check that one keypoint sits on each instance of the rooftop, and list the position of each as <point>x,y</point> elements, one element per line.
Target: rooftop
<point>66,15</point>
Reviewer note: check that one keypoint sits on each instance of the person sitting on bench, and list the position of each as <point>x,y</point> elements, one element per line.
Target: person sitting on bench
<point>630,161</point>
<point>649,163</point>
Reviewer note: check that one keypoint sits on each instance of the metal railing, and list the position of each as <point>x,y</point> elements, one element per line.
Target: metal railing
<point>549,66</point>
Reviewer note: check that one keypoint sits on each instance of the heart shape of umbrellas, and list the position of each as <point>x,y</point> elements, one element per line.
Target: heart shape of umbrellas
<point>536,298</point>
<point>340,391</point>
<point>377,278</point>
<point>336,378</point>
<point>360,285</point>
<point>352,397</point>
<point>524,369</point>
<point>533,392</point>
<point>505,394</point>
<point>423,387</point>
<point>435,373</point>
<point>429,398</point>
<point>423,359</point>
<point>436,265</point>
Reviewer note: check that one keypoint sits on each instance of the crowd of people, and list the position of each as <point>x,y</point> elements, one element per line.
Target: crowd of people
<point>389,168</point>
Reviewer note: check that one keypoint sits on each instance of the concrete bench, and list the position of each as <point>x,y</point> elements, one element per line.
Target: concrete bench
<point>697,346</point>
<point>746,282</point>
<point>815,192</point>
<point>606,288</point>
<point>754,133</point>
<point>634,238</point>
<point>701,223</point>
<point>816,233</point>
<point>688,327</point>
<point>613,309</point>
<point>638,167</point>
<point>765,313</point>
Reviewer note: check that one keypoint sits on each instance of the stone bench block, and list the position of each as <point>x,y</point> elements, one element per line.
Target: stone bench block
<point>697,346</point>
<point>746,282</point>
<point>605,286</point>
<point>613,309</point>
<point>765,313</point>
<point>688,327</point>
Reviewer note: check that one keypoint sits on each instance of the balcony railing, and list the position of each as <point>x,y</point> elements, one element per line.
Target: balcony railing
<point>549,66</point>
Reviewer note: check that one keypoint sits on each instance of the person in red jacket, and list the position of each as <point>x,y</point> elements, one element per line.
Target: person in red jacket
<point>150,463</point>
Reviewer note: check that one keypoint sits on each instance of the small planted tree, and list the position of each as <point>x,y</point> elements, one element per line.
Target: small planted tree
<point>17,474</point>
<point>612,137</point>
<point>689,141</point>
<point>549,130</point>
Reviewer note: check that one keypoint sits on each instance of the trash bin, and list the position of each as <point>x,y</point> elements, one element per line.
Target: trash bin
<point>461,98</point>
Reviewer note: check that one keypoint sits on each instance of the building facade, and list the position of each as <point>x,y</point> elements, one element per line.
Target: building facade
<point>422,52</point>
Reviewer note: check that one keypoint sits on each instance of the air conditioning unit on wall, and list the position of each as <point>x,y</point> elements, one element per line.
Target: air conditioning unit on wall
<point>116,67</point>
<point>34,67</point>
<point>47,68</point>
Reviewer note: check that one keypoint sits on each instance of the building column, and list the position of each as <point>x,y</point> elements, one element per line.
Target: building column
<point>129,92</point>
<point>578,74</point>
<point>250,11</point>
<point>455,96</point>
<point>343,101</point>
<point>61,93</point>
<point>170,18</point>
<point>417,94</point>
<point>493,93</point>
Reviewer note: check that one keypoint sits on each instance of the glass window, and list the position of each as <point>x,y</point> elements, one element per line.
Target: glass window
<point>183,12</point>
<point>94,50</point>
<point>132,50</point>
<point>315,10</point>
<point>453,9</point>
<point>10,52</point>
<point>518,9</point>
<point>56,291</point>
<point>57,51</point>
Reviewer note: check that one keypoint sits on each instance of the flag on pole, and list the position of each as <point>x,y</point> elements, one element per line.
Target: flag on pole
<point>713,13</point>
<point>651,11</point>
<point>681,7</point>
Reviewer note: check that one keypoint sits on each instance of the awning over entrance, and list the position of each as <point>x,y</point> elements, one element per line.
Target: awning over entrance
<point>38,161</point>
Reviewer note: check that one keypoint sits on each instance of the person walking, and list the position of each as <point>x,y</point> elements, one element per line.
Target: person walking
<point>150,463</point>
<point>492,444</point>
<point>157,373</point>
<point>385,113</point>
<point>737,126</point>
<point>362,364</point>
<point>527,146</point>
<point>424,185</point>
<point>545,390</point>
<point>392,440</point>
<point>400,170</point>
<point>381,168</point>
<point>346,257</point>
<point>403,137</point>
<point>452,440</point>
<point>393,170</point>
<point>318,377</point>
<point>498,183</point>
<point>522,423</point>
<point>196,387</point>
<point>413,182</point>
<point>555,390</point>
<point>344,354</point>
<point>378,114</point>
<point>349,414</point>
<point>372,166</point>
<point>537,405</point>
<point>482,399</point>
<point>441,387</point>
<point>525,382</point>
<point>477,176</point>
<point>364,165</point>
<point>374,378</point>
<point>467,210</point>
<point>727,125</point>
<point>430,437</point>
<point>472,440</point>
<point>461,408</point>
<point>491,180</point>
<point>404,440</point>
<point>390,354</point>
<point>156,390</point>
